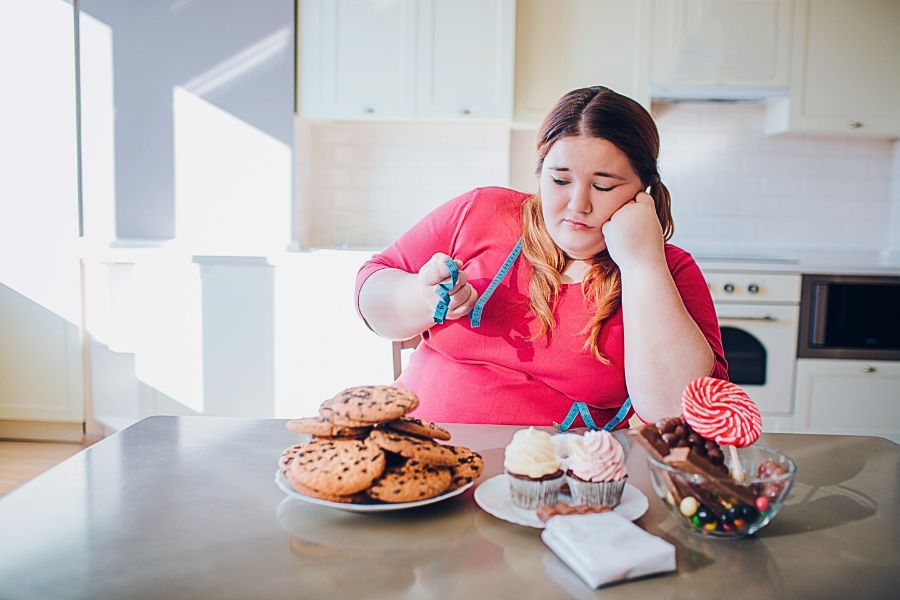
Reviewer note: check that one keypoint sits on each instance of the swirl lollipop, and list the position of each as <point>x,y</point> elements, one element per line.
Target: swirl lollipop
<point>721,411</point>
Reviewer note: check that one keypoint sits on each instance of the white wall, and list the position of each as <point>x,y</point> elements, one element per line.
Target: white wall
<point>735,189</point>
<point>40,304</point>
<point>364,184</point>
<point>894,223</point>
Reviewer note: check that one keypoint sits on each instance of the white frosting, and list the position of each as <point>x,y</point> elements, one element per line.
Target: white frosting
<point>531,453</point>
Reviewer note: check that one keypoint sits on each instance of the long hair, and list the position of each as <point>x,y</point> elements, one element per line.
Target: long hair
<point>595,112</point>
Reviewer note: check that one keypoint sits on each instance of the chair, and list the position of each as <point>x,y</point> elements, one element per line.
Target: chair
<point>398,347</point>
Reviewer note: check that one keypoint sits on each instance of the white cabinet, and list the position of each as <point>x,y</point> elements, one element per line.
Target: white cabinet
<point>466,54</point>
<point>848,397</point>
<point>844,73</point>
<point>569,44</point>
<point>389,59</point>
<point>743,43</point>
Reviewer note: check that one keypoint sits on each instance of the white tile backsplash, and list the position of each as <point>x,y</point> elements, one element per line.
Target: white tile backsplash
<point>733,188</point>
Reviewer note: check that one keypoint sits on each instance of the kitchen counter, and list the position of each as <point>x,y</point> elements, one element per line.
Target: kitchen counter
<point>798,262</point>
<point>181,507</point>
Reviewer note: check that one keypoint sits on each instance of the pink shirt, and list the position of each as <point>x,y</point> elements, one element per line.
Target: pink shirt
<point>493,374</point>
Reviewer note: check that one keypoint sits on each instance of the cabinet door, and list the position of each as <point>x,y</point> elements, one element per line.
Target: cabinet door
<point>845,70</point>
<point>466,54</point>
<point>569,44</point>
<point>848,397</point>
<point>709,42</point>
<point>358,58</point>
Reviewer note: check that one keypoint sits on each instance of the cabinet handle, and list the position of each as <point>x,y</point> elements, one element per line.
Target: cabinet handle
<point>869,369</point>
<point>766,318</point>
<point>855,124</point>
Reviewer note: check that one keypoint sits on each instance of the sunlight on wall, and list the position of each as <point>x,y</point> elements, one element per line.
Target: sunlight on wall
<point>38,195</point>
<point>232,181</point>
<point>98,146</point>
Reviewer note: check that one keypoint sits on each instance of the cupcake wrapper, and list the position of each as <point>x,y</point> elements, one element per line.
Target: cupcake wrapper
<point>607,493</point>
<point>531,493</point>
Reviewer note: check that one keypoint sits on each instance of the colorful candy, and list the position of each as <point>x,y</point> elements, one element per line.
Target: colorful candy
<point>720,410</point>
<point>689,506</point>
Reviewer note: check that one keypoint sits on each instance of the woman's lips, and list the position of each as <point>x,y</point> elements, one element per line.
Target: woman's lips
<point>576,225</point>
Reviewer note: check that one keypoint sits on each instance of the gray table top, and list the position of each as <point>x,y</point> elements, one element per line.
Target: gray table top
<point>186,507</point>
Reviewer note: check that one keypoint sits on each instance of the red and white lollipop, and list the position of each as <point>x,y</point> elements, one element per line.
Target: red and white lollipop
<point>721,411</point>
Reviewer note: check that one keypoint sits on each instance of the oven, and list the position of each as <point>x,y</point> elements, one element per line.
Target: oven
<point>758,316</point>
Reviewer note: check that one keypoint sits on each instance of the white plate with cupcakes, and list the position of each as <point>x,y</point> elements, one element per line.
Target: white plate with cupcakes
<point>539,467</point>
<point>366,455</point>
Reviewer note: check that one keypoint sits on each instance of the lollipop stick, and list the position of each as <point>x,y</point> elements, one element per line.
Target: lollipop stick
<point>737,470</point>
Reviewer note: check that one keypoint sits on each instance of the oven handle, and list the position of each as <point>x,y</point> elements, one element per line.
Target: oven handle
<point>767,318</point>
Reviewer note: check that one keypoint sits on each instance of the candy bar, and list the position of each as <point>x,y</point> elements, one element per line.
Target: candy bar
<point>546,511</point>
<point>648,437</point>
<point>686,459</point>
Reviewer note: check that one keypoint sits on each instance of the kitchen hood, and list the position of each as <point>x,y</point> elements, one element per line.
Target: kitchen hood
<point>715,93</point>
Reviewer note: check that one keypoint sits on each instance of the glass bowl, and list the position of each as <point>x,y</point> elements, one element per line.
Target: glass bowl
<point>719,506</point>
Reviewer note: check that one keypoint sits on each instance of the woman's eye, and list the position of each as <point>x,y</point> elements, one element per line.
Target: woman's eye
<point>560,181</point>
<point>601,189</point>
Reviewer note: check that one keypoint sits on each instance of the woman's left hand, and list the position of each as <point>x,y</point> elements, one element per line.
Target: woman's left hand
<point>633,234</point>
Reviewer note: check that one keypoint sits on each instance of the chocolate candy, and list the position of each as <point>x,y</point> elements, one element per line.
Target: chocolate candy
<point>771,490</point>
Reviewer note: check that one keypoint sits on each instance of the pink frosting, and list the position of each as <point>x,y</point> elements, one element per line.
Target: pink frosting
<point>598,456</point>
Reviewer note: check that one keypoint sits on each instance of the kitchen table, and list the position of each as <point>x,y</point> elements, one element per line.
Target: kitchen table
<point>186,507</point>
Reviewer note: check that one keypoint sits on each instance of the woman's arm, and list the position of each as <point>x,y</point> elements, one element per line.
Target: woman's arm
<point>664,347</point>
<point>400,305</point>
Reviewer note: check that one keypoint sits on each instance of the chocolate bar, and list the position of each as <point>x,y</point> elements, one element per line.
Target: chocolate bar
<point>648,437</point>
<point>688,460</point>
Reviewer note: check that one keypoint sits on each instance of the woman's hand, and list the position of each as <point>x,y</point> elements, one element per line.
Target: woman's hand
<point>633,234</point>
<point>435,271</point>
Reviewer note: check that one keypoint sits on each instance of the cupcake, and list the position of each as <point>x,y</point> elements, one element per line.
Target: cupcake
<point>533,469</point>
<point>596,472</point>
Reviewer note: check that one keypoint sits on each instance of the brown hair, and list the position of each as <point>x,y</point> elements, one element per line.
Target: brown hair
<point>601,113</point>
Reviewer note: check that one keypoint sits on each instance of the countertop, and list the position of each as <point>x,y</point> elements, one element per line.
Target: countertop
<point>823,262</point>
<point>180,507</point>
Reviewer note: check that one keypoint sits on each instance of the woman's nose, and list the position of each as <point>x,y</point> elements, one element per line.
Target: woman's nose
<point>580,200</point>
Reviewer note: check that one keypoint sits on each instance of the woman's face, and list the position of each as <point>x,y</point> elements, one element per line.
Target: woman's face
<point>583,181</point>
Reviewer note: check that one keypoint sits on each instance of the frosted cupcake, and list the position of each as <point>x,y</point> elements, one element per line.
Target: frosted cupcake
<point>533,469</point>
<point>596,473</point>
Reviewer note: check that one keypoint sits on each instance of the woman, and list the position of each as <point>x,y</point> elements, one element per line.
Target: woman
<point>598,316</point>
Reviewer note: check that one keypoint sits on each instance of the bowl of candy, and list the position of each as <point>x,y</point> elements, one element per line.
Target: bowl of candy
<point>714,503</point>
<point>705,468</point>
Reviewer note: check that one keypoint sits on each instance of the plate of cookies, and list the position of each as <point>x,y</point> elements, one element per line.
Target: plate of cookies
<point>366,455</point>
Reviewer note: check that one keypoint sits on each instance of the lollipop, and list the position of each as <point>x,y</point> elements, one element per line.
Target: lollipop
<point>721,411</point>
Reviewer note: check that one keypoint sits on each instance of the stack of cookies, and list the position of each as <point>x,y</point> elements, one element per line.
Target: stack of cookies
<point>364,450</point>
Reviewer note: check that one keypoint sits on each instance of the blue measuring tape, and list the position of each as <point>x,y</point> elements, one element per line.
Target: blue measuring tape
<point>443,289</point>
<point>440,314</point>
<point>582,409</point>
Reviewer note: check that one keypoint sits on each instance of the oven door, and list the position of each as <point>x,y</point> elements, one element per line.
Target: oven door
<point>760,343</point>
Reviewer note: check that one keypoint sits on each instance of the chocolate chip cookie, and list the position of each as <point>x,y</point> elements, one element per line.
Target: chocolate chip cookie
<point>419,449</point>
<point>372,404</point>
<point>321,427</point>
<point>418,427</point>
<point>469,466</point>
<point>337,467</point>
<point>409,482</point>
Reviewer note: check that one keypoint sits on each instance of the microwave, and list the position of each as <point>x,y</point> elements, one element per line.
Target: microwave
<point>850,316</point>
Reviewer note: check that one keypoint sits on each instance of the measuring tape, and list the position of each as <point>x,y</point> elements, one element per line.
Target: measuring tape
<point>443,289</point>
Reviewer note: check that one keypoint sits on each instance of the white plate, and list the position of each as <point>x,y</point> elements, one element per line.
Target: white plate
<point>286,487</point>
<point>493,496</point>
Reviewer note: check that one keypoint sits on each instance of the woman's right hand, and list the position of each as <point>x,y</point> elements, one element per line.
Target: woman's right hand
<point>462,297</point>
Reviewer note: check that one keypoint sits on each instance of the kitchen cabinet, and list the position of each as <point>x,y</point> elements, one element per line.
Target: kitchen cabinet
<point>848,397</point>
<point>371,59</point>
<point>845,61</point>
<point>744,43</point>
<point>568,44</point>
